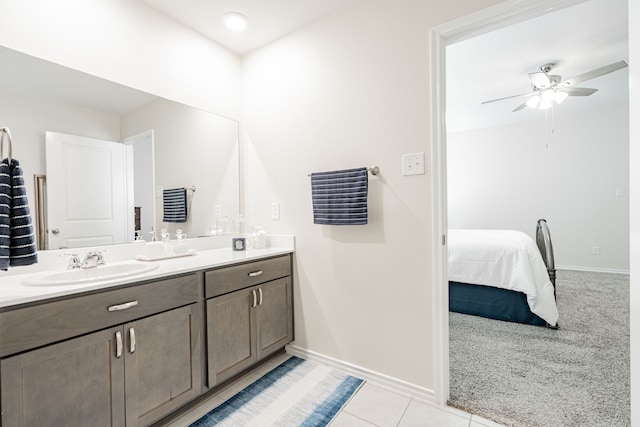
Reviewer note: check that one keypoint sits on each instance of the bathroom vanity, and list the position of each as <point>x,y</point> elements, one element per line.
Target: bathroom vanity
<point>132,351</point>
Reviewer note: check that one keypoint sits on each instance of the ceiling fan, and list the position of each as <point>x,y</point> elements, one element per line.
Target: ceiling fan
<point>549,88</point>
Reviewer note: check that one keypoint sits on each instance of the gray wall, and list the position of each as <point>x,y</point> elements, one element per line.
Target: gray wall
<point>509,176</point>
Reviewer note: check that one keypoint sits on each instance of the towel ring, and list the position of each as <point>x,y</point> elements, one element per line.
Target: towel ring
<point>8,133</point>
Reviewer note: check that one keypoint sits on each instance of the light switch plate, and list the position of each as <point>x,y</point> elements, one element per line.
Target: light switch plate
<point>413,164</point>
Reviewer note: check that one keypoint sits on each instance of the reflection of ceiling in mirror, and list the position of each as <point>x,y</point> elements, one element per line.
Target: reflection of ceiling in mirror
<point>22,74</point>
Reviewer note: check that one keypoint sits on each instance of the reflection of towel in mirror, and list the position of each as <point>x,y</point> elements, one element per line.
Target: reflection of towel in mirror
<point>17,240</point>
<point>340,197</point>
<point>175,205</point>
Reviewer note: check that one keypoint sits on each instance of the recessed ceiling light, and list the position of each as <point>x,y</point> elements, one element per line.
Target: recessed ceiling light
<point>235,21</point>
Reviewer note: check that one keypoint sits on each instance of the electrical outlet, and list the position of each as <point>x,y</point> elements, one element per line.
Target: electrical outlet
<point>218,212</point>
<point>595,250</point>
<point>413,164</point>
<point>275,210</point>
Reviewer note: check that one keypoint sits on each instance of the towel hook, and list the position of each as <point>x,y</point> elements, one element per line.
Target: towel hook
<point>8,133</point>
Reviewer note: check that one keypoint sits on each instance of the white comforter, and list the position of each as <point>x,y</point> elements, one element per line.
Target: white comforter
<point>505,259</point>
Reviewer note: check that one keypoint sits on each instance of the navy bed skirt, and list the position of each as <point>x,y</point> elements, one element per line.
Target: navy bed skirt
<point>494,303</point>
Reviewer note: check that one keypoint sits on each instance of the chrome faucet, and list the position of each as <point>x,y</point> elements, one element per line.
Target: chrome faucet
<point>92,260</point>
<point>74,260</point>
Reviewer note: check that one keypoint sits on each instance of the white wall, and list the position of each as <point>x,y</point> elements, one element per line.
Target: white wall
<point>510,176</point>
<point>192,148</point>
<point>29,118</point>
<point>351,90</point>
<point>128,43</point>
<point>634,161</point>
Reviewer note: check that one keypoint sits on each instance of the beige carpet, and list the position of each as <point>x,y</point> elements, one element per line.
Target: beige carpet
<point>521,375</point>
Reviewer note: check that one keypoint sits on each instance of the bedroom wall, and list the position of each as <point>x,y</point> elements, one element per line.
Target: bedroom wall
<point>352,90</point>
<point>129,43</point>
<point>509,176</point>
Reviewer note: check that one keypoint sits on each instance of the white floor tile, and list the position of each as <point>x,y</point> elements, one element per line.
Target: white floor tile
<point>344,419</point>
<point>377,405</point>
<point>422,415</point>
<point>477,421</point>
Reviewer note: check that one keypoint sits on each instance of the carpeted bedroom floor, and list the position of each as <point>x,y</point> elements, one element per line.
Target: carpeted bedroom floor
<point>521,375</point>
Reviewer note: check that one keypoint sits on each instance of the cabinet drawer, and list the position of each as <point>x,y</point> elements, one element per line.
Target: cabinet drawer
<point>229,279</point>
<point>34,326</point>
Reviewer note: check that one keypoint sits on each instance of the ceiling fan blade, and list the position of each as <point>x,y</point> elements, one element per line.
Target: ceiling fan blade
<point>520,107</point>
<point>509,97</point>
<point>540,80</point>
<point>579,91</point>
<point>595,73</point>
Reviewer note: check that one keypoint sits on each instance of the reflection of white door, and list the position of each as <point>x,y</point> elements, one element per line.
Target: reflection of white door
<point>86,191</point>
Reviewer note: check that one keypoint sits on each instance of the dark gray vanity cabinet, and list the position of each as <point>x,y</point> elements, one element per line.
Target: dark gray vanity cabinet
<point>142,362</point>
<point>249,315</point>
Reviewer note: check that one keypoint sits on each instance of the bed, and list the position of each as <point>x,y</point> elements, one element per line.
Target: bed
<point>503,274</point>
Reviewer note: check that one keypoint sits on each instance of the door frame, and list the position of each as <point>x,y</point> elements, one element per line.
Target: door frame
<point>466,27</point>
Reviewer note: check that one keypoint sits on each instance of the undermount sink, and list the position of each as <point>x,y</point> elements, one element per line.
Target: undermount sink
<point>88,275</point>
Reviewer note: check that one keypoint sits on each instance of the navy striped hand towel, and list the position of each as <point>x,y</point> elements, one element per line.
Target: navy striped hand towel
<point>340,197</point>
<point>175,205</point>
<point>17,240</point>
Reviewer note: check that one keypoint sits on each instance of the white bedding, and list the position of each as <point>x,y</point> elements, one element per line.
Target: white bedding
<point>505,259</point>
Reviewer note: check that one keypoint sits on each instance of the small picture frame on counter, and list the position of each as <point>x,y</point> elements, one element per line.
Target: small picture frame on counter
<point>239,243</point>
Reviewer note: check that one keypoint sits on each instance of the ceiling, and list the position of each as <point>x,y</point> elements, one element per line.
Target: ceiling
<point>268,19</point>
<point>496,65</point>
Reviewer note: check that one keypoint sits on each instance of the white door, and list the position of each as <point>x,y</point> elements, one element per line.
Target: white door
<point>86,191</point>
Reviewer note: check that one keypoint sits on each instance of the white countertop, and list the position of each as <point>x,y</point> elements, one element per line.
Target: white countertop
<point>13,292</point>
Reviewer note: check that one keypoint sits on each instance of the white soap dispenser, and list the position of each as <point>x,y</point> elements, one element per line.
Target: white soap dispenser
<point>181,243</point>
<point>154,249</point>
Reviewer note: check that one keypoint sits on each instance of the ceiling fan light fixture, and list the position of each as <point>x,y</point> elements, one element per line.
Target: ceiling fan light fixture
<point>235,21</point>
<point>560,96</point>
<point>533,101</point>
<point>546,100</point>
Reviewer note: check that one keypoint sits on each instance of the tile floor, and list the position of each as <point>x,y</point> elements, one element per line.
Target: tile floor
<point>371,406</point>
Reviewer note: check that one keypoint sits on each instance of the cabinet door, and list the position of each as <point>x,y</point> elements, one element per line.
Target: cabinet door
<point>274,316</point>
<point>79,382</point>
<point>231,338</point>
<point>163,363</point>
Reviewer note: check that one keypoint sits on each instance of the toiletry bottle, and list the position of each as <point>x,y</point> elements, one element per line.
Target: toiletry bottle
<point>181,243</point>
<point>166,241</point>
<point>153,249</point>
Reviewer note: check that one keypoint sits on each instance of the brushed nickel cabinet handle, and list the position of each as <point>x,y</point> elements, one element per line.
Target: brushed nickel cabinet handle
<point>118,345</point>
<point>255,273</point>
<point>260,292</point>
<point>119,307</point>
<point>255,299</point>
<point>132,340</point>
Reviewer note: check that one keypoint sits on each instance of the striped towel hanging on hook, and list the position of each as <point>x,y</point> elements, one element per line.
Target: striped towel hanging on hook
<point>340,197</point>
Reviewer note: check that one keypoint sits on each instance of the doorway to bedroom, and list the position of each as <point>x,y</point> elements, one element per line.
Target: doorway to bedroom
<point>568,164</point>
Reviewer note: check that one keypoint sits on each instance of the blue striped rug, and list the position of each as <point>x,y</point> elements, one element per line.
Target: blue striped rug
<point>296,393</point>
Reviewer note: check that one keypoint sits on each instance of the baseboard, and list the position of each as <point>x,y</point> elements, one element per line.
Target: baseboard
<point>385,381</point>
<point>591,270</point>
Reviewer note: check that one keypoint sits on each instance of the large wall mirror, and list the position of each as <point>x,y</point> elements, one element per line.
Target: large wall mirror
<point>105,153</point>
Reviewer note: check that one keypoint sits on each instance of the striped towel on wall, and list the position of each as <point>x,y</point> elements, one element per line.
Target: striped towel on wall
<point>340,197</point>
<point>17,239</point>
<point>175,205</point>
